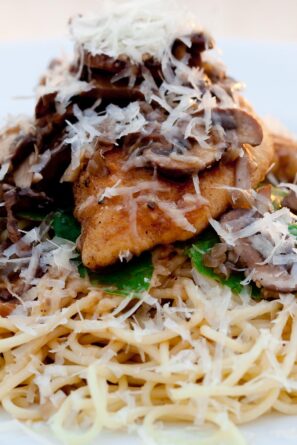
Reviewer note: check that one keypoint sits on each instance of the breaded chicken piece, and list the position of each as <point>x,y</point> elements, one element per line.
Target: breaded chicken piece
<point>134,211</point>
<point>286,158</point>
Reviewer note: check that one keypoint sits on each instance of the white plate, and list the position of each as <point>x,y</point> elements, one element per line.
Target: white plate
<point>269,70</point>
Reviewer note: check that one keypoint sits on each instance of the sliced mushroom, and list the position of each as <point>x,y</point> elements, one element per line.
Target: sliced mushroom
<point>7,141</point>
<point>239,128</point>
<point>154,67</point>
<point>290,201</point>
<point>103,89</point>
<point>171,163</point>
<point>46,105</point>
<point>273,279</point>
<point>110,92</point>
<point>10,200</point>
<point>16,147</point>
<point>19,200</point>
<point>237,219</point>
<point>50,131</point>
<point>102,63</point>
<point>105,63</point>
<point>268,276</point>
<point>216,256</point>
<point>156,151</point>
<point>27,199</point>
<point>23,175</point>
<point>55,166</point>
<point>199,42</point>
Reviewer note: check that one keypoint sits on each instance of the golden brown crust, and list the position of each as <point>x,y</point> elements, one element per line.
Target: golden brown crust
<point>285,157</point>
<point>106,227</point>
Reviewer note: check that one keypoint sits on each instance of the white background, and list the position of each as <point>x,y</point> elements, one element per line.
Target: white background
<point>252,19</point>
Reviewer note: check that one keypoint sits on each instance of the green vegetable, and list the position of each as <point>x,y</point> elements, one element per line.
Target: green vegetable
<point>293,229</point>
<point>126,279</point>
<point>277,196</point>
<point>131,278</point>
<point>66,226</point>
<point>202,246</point>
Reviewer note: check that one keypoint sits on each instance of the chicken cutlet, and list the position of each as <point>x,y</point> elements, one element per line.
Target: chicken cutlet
<point>134,211</point>
<point>162,164</point>
<point>286,157</point>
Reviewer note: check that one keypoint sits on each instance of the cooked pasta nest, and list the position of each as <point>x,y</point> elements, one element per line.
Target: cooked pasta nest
<point>186,351</point>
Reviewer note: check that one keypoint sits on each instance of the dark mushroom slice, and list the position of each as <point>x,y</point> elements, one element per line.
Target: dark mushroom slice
<point>272,279</point>
<point>121,67</point>
<point>99,64</point>
<point>48,189</point>
<point>25,195</point>
<point>10,200</point>
<point>17,286</point>
<point>48,134</point>
<point>54,168</point>
<point>290,201</point>
<point>237,219</point>
<point>275,278</point>
<point>23,146</point>
<point>105,63</point>
<point>199,43</point>
<point>171,163</point>
<point>239,128</point>
<point>24,154</point>
<point>50,129</point>
<point>154,67</point>
<point>46,104</point>
<point>268,276</point>
<point>16,145</point>
<point>19,200</point>
<point>46,111</point>
<point>110,92</point>
<point>27,199</point>
<point>115,70</point>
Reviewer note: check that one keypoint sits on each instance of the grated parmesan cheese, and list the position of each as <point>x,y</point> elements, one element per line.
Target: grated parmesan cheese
<point>59,80</point>
<point>112,124</point>
<point>4,169</point>
<point>125,255</point>
<point>274,225</point>
<point>176,215</point>
<point>133,28</point>
<point>289,186</point>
